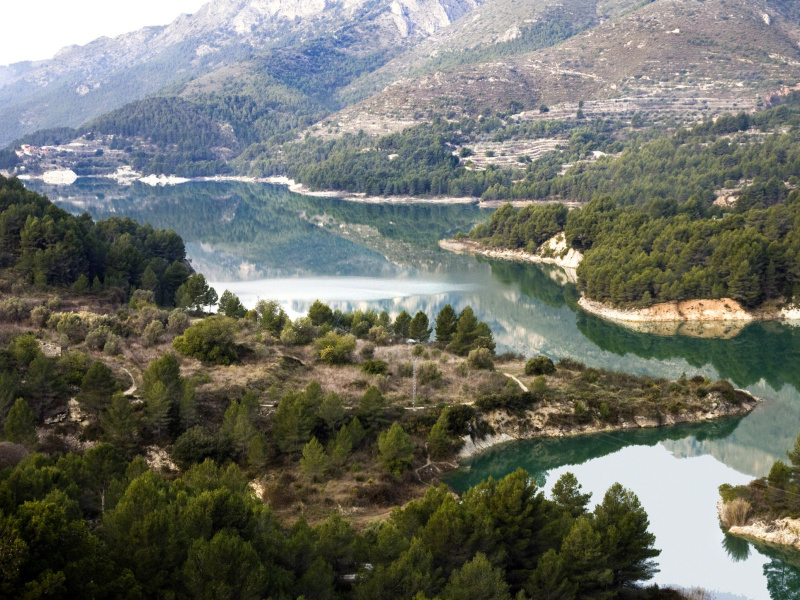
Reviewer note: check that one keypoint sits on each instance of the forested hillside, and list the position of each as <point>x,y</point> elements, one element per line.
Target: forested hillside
<point>653,231</point>
<point>43,245</point>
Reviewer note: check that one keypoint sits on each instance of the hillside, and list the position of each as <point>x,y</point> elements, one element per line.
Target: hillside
<point>241,87</point>
<point>83,82</point>
<point>663,49</point>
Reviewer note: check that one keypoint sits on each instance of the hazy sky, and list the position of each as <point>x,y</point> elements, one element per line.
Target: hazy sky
<point>37,29</point>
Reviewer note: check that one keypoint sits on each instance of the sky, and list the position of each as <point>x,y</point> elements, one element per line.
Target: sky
<point>37,29</point>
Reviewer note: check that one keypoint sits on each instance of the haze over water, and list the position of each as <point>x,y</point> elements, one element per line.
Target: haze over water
<point>262,242</point>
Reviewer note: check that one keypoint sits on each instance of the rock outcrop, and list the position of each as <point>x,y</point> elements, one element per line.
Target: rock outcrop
<point>779,532</point>
<point>724,309</point>
<point>554,251</point>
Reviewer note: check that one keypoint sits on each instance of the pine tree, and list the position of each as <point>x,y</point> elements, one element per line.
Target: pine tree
<point>419,329</point>
<point>477,580</point>
<point>446,322</point>
<point>623,527</point>
<point>440,445</point>
<point>314,461</point>
<point>119,424</point>
<point>20,425</point>
<point>396,449</point>
<point>466,333</point>
<point>402,325</point>
<point>97,388</point>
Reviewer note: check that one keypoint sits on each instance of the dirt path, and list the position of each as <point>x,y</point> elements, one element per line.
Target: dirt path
<point>132,389</point>
<point>521,385</point>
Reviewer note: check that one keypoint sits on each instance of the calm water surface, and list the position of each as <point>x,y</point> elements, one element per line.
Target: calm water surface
<point>262,242</point>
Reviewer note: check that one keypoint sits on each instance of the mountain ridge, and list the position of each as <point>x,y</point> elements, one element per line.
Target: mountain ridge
<point>109,72</point>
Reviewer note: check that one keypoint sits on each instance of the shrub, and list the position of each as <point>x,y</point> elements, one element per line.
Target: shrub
<point>405,369</point>
<point>298,333</point>
<point>571,365</point>
<point>725,389</point>
<point>96,339</point>
<point>735,513</point>
<point>12,310</point>
<point>40,315</point>
<point>147,314</point>
<point>111,346</point>
<point>71,326</point>
<point>428,372</point>
<point>152,333</point>
<point>177,322</point>
<point>335,349</point>
<point>367,350</point>
<point>480,358</point>
<point>210,340</point>
<point>141,297</point>
<point>374,367</point>
<point>539,365</point>
<point>418,350</point>
<point>378,335</point>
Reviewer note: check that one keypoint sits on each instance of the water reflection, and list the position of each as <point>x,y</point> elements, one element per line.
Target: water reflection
<point>737,548</point>
<point>238,231</point>
<point>263,242</point>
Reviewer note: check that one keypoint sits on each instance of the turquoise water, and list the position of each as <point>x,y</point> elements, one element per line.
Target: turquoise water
<point>262,242</point>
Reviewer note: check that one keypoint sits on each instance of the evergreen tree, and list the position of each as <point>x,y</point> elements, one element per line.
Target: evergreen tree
<point>402,325</point>
<point>195,294</point>
<point>20,425</point>
<point>585,562</point>
<point>341,447</point>
<point>230,305</point>
<point>419,329</point>
<point>314,461</point>
<point>446,322</point>
<point>623,525</point>
<point>396,449</point>
<point>477,580</point>
<point>331,411</point>
<point>463,339</point>
<point>97,388</point>
<point>320,314</point>
<point>440,444</point>
<point>120,425</point>
<point>371,408</point>
<point>566,493</point>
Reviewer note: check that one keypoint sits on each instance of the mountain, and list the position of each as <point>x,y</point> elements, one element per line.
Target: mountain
<point>241,79</point>
<point>664,49</point>
<point>82,82</point>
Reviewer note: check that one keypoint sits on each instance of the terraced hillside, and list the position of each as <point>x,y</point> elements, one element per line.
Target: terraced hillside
<point>702,50</point>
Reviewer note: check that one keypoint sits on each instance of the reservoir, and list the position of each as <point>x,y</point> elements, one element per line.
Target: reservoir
<point>262,242</point>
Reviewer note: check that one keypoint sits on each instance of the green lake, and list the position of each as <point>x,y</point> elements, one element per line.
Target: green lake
<point>262,242</point>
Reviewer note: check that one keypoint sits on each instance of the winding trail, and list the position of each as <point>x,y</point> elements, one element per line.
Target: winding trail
<point>521,385</point>
<point>132,389</point>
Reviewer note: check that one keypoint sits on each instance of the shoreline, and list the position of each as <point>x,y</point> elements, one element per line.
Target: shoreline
<point>508,429</point>
<point>554,251</point>
<point>782,533</point>
<point>701,317</point>
<point>128,176</point>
